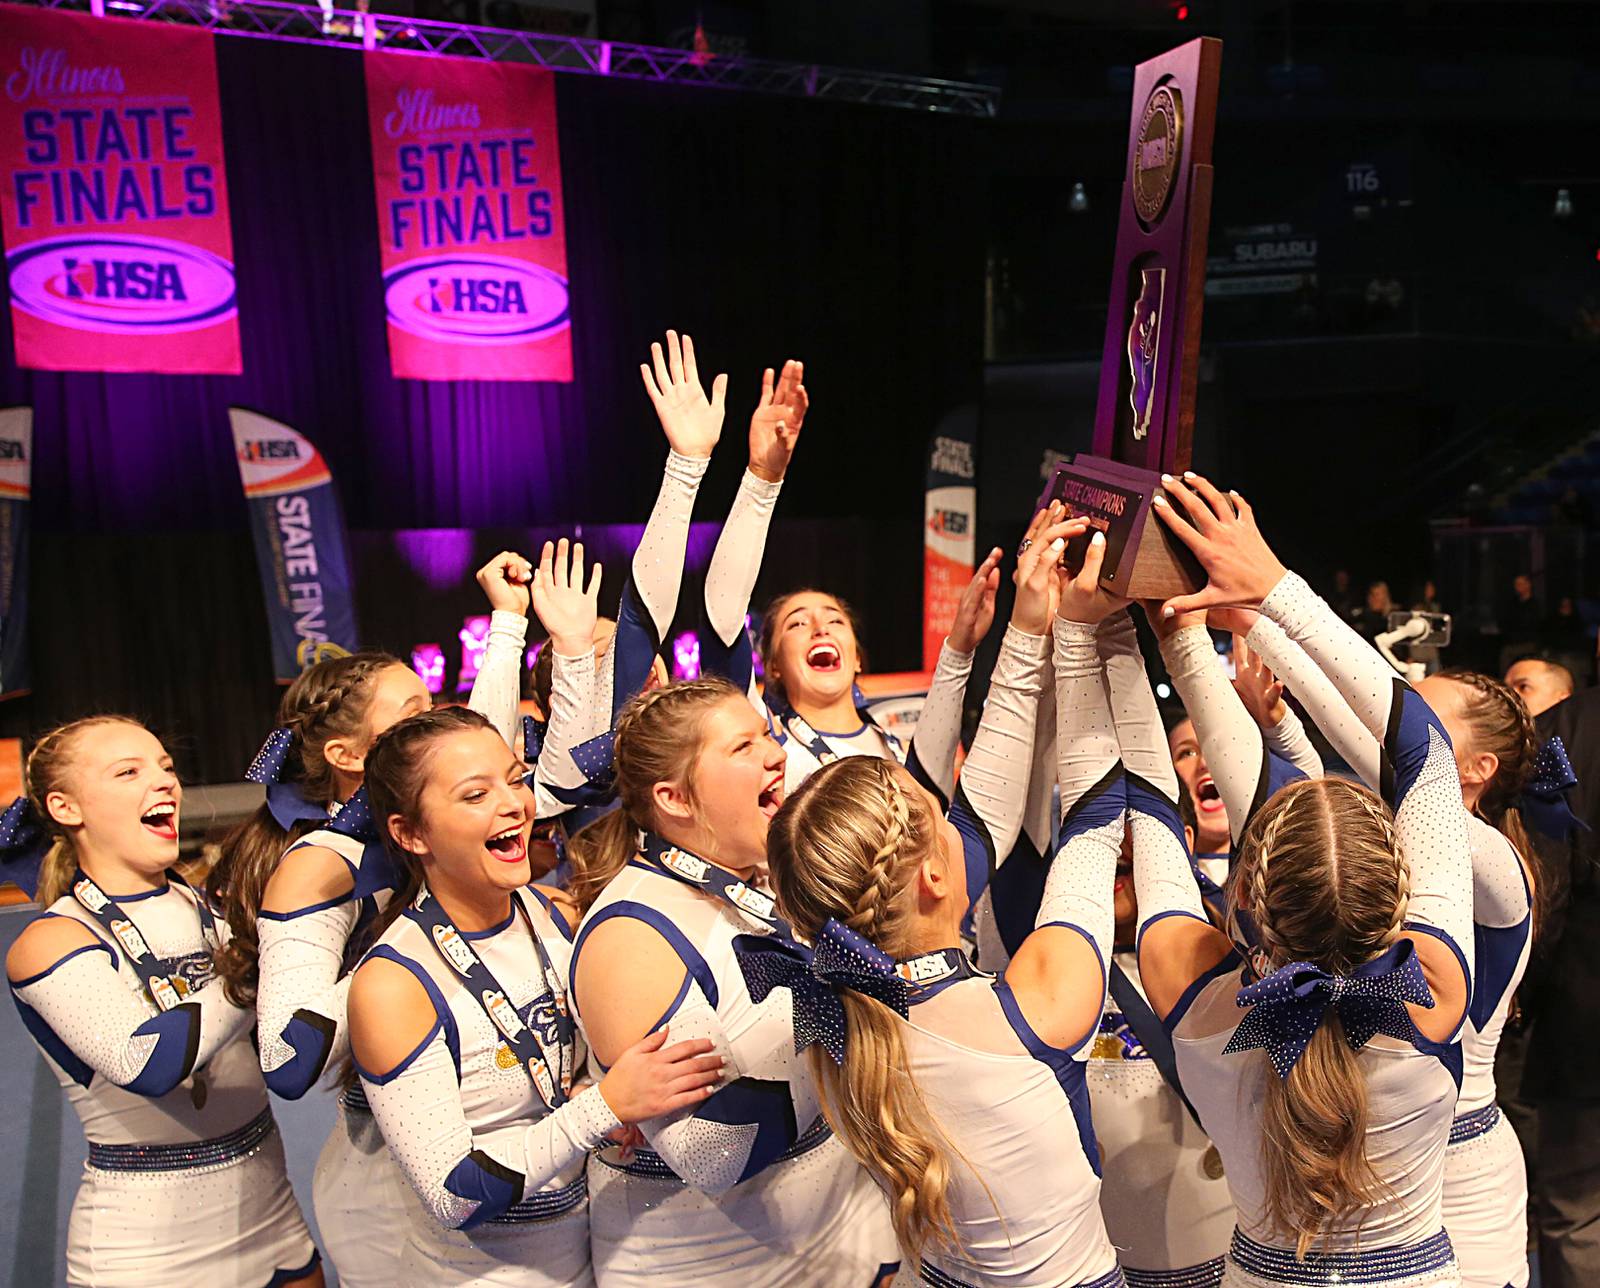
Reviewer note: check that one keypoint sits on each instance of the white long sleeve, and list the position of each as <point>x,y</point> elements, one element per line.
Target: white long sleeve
<point>419,1111</point>
<point>1234,747</point>
<point>87,1004</point>
<point>1288,741</point>
<point>574,719</point>
<point>698,1154</point>
<point>655,578</point>
<point>993,791</point>
<point>1078,886</point>
<point>300,997</point>
<point>497,690</point>
<point>736,562</point>
<point>932,755</point>
<point>1418,772</point>
<point>1316,693</point>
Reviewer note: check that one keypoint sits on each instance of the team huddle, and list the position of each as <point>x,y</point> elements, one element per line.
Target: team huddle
<point>716,982</point>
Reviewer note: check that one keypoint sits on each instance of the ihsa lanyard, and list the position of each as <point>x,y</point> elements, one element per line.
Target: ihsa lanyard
<point>544,1050</point>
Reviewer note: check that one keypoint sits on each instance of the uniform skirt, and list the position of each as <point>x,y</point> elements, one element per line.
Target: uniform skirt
<point>365,1208</point>
<point>1486,1200</point>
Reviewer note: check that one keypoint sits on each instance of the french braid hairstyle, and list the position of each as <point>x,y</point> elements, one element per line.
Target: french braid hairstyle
<point>848,845</point>
<point>1500,723</point>
<point>49,769</point>
<point>659,738</point>
<point>326,701</point>
<point>1321,875</point>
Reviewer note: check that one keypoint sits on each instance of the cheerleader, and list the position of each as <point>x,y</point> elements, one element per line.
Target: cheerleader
<point>963,1094</point>
<point>461,1030</point>
<point>750,1189</point>
<point>331,883</point>
<point>1485,1187</point>
<point>185,1179</point>
<point>1358,984</point>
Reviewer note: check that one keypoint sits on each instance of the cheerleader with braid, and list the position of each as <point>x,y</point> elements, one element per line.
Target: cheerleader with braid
<point>1360,913</point>
<point>114,981</point>
<point>962,1094</point>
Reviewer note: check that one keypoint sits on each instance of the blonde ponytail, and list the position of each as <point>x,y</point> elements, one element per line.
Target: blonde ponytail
<point>848,845</point>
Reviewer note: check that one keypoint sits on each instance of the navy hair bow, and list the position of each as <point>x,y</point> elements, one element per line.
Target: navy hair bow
<point>286,802</point>
<point>532,739</point>
<point>24,841</point>
<point>1289,1004</point>
<point>267,767</point>
<point>376,871</point>
<point>841,959</point>
<point>355,819</point>
<point>1543,801</point>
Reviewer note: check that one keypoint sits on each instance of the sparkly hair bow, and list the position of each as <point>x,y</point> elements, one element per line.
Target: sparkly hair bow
<point>532,739</point>
<point>376,871</point>
<point>286,802</point>
<point>1289,1004</point>
<point>841,959</point>
<point>1543,801</point>
<point>24,841</point>
<point>594,761</point>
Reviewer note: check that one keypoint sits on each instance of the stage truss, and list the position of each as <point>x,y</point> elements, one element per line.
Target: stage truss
<point>309,23</point>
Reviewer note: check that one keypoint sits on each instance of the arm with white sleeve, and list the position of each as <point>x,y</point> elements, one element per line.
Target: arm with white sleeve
<point>302,992</point>
<point>82,1009</point>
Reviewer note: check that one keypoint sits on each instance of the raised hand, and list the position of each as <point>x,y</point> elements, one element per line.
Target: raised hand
<point>1037,576</point>
<point>775,423</point>
<point>975,612</point>
<point>1257,687</point>
<point>1083,598</point>
<point>566,610</point>
<point>505,580</point>
<point>651,1079</point>
<point>693,423</point>
<point>1166,627</point>
<point>1221,531</point>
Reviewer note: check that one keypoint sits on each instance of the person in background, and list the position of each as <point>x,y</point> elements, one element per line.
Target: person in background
<point>1540,684</point>
<point>1561,1078</point>
<point>1430,655</point>
<point>1373,618</point>
<point>1521,623</point>
<point>1342,597</point>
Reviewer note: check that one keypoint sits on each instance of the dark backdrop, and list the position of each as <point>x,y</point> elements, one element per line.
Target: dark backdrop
<point>766,227</point>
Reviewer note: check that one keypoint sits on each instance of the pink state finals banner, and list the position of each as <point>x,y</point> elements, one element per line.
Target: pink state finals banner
<point>114,204</point>
<point>468,174</point>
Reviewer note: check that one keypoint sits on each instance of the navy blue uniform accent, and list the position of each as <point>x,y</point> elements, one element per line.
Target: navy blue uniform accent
<point>766,1103</point>
<point>1015,892</point>
<point>697,966</point>
<point>1068,1072</point>
<point>177,1034</point>
<point>1406,742</point>
<point>1496,950</point>
<point>311,1036</point>
<point>1276,773</point>
<point>977,851</point>
<point>493,1186</point>
<point>446,1018</point>
<point>1155,1039</point>
<point>1144,797</point>
<point>53,1046</point>
<point>735,662</point>
<point>633,649</point>
<point>1105,802</point>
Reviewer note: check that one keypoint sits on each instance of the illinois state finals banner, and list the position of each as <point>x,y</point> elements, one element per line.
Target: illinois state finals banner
<point>468,175</point>
<point>115,200</point>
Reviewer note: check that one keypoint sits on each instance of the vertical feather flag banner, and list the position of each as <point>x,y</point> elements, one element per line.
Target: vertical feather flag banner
<point>16,468</point>
<point>300,543</point>
<point>949,530</point>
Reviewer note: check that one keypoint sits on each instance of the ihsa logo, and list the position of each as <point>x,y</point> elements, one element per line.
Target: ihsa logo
<point>476,299</point>
<point>122,284</point>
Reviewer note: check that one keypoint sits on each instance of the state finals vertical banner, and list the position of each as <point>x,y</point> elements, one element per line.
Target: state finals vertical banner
<point>468,175</point>
<point>115,199</point>
<point>16,485</point>
<point>949,531</point>
<point>300,543</point>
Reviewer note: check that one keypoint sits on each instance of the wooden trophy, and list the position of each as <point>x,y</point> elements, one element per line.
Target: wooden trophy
<point>1144,424</point>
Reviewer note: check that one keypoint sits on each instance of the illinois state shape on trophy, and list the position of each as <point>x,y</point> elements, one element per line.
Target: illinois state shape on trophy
<point>1144,422</point>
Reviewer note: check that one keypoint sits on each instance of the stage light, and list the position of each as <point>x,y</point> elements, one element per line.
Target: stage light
<point>686,656</point>
<point>1163,690</point>
<point>1563,206</point>
<point>474,637</point>
<point>1181,13</point>
<point>427,660</point>
<point>1078,203</point>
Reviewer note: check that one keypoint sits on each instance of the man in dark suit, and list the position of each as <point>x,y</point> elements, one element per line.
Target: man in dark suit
<point>1562,1076</point>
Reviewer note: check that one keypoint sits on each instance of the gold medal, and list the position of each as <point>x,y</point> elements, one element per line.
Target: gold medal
<point>1211,1164</point>
<point>503,1057</point>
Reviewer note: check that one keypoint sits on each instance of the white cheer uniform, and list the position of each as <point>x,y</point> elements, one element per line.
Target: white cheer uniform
<point>185,1181</point>
<point>499,1174</point>
<point>1411,1086</point>
<point>751,1190</point>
